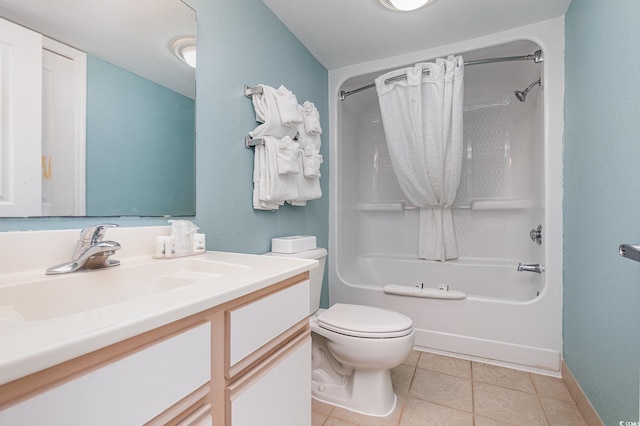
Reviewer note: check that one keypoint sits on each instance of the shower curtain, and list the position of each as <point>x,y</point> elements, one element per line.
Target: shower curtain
<point>422,120</point>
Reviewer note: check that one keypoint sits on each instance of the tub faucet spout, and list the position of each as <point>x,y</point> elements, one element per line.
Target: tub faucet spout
<point>533,267</point>
<point>90,252</point>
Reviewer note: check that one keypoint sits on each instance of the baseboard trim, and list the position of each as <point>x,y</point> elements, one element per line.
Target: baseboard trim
<point>584,405</point>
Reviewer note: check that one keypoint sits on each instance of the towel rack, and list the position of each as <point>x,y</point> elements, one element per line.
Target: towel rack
<point>249,142</point>
<point>250,91</point>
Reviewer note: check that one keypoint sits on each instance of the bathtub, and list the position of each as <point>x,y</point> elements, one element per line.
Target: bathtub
<point>511,183</point>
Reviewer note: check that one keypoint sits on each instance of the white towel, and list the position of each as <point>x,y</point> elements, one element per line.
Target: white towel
<point>305,139</point>
<point>311,118</point>
<point>290,111</point>
<point>308,189</point>
<point>268,114</point>
<point>287,156</point>
<point>311,160</point>
<point>277,187</point>
<point>259,180</point>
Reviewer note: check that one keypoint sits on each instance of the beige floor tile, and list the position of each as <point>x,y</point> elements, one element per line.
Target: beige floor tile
<point>445,364</point>
<point>362,420</point>
<point>422,413</point>
<point>336,422</point>
<point>401,377</point>
<point>562,413</point>
<point>412,360</point>
<point>505,377</point>
<point>484,421</point>
<point>321,407</point>
<point>507,405</point>
<point>551,387</point>
<point>318,419</point>
<point>443,389</point>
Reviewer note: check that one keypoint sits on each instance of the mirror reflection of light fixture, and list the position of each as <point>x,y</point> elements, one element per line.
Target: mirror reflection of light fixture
<point>185,49</point>
<point>404,5</point>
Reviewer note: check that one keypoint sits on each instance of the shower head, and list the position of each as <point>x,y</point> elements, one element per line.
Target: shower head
<point>521,95</point>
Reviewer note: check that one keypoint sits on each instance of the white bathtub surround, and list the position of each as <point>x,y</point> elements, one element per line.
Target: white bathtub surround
<point>511,183</point>
<point>422,117</point>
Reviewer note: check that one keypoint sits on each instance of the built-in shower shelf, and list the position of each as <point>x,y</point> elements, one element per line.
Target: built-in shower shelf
<point>475,204</point>
<point>501,203</point>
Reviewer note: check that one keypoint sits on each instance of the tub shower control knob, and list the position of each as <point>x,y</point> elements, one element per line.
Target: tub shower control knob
<point>536,235</point>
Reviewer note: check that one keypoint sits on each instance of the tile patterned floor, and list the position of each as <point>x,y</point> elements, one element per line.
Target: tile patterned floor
<point>438,390</point>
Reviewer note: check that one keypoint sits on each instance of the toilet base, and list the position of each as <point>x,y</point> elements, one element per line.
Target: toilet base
<point>368,392</point>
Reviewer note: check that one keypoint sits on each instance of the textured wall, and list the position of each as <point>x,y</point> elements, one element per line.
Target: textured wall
<point>140,140</point>
<point>602,204</point>
<point>242,42</point>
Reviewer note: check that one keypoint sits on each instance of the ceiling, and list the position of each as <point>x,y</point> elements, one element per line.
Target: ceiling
<point>340,33</point>
<point>134,35</point>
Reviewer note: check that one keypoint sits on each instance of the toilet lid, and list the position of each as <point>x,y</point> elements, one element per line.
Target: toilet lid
<point>365,321</point>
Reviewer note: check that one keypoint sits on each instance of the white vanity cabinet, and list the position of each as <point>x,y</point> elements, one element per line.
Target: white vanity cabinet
<point>243,362</point>
<point>130,391</point>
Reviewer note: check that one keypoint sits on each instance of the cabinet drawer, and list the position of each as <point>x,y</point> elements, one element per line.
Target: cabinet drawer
<point>253,325</point>
<point>130,391</point>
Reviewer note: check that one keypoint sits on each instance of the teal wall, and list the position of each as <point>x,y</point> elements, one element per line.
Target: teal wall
<point>243,42</point>
<point>601,324</point>
<point>140,141</point>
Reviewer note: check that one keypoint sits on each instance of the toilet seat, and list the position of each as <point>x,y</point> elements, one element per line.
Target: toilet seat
<point>365,321</point>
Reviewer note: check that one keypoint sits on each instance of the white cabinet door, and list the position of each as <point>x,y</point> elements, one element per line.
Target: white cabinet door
<point>279,397</point>
<point>20,120</point>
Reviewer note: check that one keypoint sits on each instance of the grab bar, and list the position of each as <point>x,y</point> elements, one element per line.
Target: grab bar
<point>534,267</point>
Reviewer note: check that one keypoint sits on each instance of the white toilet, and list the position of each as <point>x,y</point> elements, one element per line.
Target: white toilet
<point>354,348</point>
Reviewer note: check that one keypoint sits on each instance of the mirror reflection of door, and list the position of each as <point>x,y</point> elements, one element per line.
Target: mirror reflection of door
<point>20,113</point>
<point>63,130</point>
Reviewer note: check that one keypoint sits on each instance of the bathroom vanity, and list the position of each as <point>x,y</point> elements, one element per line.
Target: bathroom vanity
<point>232,346</point>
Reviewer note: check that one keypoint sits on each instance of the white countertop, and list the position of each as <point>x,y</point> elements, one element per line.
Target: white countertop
<point>30,346</point>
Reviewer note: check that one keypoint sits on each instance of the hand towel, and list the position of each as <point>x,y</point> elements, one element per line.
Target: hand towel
<point>267,113</point>
<point>311,160</point>
<point>290,111</point>
<point>311,118</point>
<point>277,188</point>
<point>287,156</point>
<point>308,189</point>
<point>305,139</point>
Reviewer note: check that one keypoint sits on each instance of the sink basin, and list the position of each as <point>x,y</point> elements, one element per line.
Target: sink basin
<point>61,295</point>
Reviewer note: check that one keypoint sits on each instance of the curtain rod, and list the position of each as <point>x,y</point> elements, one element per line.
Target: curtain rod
<point>535,57</point>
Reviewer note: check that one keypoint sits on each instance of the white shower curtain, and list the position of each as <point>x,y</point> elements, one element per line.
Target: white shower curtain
<point>422,119</point>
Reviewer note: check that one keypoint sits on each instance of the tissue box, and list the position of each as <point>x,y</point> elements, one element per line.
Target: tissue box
<point>293,244</point>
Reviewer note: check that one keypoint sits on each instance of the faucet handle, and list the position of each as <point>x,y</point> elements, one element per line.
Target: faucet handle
<point>91,235</point>
<point>94,234</point>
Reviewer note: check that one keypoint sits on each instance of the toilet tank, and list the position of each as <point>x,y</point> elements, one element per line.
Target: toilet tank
<point>315,275</point>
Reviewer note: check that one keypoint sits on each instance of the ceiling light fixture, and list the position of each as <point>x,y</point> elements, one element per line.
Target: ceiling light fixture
<point>404,5</point>
<point>185,49</point>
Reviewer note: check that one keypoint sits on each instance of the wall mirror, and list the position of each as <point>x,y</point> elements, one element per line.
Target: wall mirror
<point>118,140</point>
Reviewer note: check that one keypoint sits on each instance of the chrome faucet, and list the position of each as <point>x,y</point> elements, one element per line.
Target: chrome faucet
<point>90,251</point>
<point>534,267</point>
